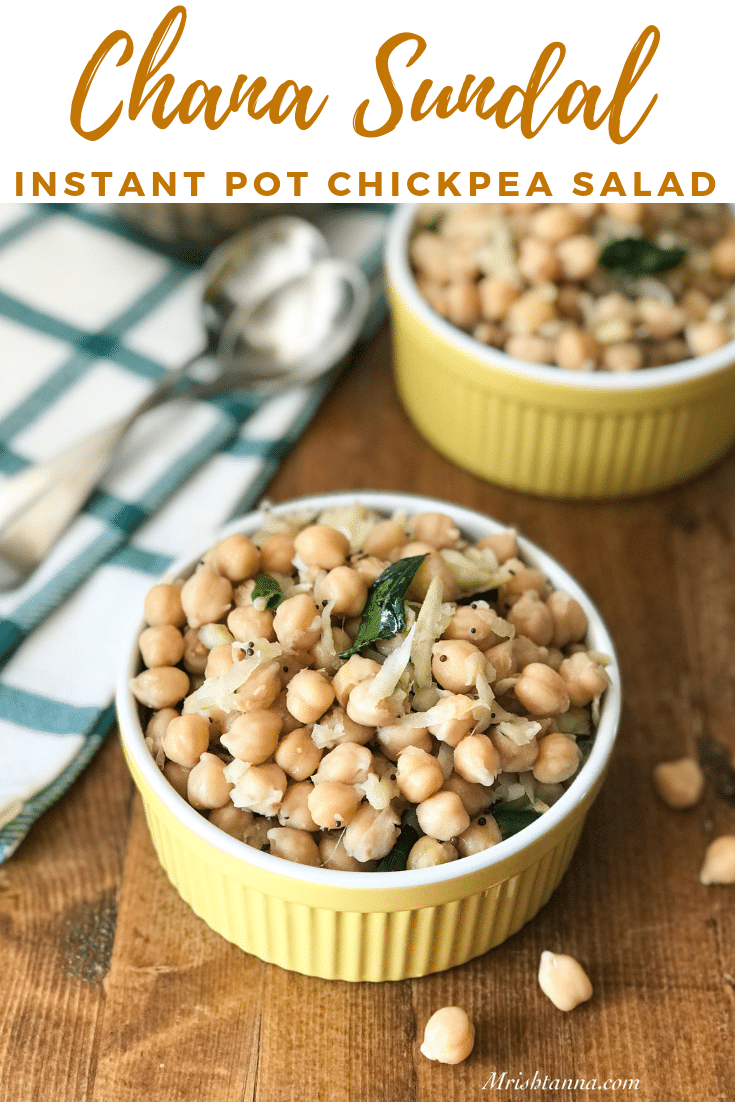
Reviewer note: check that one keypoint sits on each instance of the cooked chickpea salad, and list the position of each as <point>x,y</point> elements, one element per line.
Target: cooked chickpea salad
<point>363,692</point>
<point>586,286</point>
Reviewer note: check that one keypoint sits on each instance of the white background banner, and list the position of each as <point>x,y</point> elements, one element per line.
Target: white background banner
<point>72,107</point>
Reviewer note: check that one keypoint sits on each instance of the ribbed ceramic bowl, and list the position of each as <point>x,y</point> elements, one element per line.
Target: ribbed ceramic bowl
<point>544,430</point>
<point>368,926</point>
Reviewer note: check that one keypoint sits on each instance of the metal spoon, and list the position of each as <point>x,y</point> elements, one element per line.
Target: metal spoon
<point>277,313</point>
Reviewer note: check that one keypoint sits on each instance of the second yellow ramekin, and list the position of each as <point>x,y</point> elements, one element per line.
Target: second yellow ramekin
<point>544,430</point>
<point>369,926</point>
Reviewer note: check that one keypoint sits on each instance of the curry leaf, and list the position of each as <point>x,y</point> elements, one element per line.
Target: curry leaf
<point>384,615</point>
<point>511,821</point>
<point>268,587</point>
<point>635,257</point>
<point>396,860</point>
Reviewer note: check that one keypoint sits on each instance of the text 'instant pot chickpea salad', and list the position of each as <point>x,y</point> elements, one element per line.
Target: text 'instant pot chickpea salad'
<point>359,692</point>
<point>588,286</point>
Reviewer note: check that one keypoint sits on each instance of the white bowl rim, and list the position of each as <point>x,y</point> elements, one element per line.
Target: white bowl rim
<point>399,273</point>
<point>470,521</point>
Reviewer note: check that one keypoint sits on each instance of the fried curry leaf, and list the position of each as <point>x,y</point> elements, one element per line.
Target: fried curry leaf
<point>510,821</point>
<point>268,587</point>
<point>395,861</point>
<point>384,615</point>
<point>635,257</point>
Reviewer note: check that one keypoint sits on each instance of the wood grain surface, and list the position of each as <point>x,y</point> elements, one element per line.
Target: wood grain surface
<point>113,991</point>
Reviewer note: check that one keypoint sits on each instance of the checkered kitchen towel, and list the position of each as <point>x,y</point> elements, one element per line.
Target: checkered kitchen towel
<point>90,318</point>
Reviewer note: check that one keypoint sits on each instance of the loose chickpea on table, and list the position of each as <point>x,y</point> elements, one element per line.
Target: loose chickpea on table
<point>343,716</point>
<point>589,286</point>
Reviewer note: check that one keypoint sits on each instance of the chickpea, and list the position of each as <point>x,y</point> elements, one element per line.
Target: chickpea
<point>346,588</point>
<point>395,739</point>
<point>419,774</point>
<point>614,331</point>
<point>428,852</point>
<point>578,256</point>
<point>247,623</point>
<point>502,658</point>
<point>523,579</point>
<point>535,350</point>
<point>261,789</point>
<point>660,319</point>
<point>477,760</point>
<point>334,855</point>
<point>570,619</point>
<point>236,558</point>
<point>435,529</point>
<point>695,304</point>
<point>367,712</point>
<point>162,645</point>
<point>333,804</point>
<point>443,816</point>
<point>432,567</point>
<point>186,739</point>
<point>449,1036</point>
<point>462,304</point>
<point>537,261</point>
<point>219,661</point>
<point>706,336</point>
<point>384,537</point>
<point>321,546</point>
<point>457,719</point>
<point>554,223</point>
<point>177,776</point>
<point>481,834</point>
<point>369,568</point>
<point>514,757</point>
<point>323,658</point>
<point>293,845</point>
<point>719,861</point>
<point>528,313</point>
<point>355,669</point>
<point>504,545</point>
<point>680,784</point>
<point>297,755</point>
<point>256,836</point>
<point>195,653</point>
<point>371,834</point>
<point>558,759</point>
<point>337,727</point>
<point>576,350</point>
<point>455,664</point>
<point>161,687</point>
<point>253,737</point>
<point>232,820</point>
<point>206,785</point>
<point>205,597</point>
<point>297,623</point>
<point>622,357</point>
<point>261,689</point>
<point>563,980</point>
<point>309,696</point>
<point>475,797</point>
<point>429,253</point>
<point>541,690</point>
<point>277,552</point>
<point>583,678</point>
<point>629,214</point>
<point>532,618</point>
<point>158,725</point>
<point>723,258</point>
<point>474,625</point>
<point>163,605</point>
<point>294,809</point>
<point>348,763</point>
<point>496,297</point>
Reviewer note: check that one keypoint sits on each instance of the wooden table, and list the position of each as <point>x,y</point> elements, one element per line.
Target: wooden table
<point>112,990</point>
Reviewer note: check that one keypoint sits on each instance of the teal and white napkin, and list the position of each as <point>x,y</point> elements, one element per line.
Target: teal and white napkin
<point>90,317</point>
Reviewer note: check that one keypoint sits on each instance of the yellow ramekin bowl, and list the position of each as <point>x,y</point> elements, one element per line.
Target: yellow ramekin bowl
<point>544,430</point>
<point>368,926</point>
